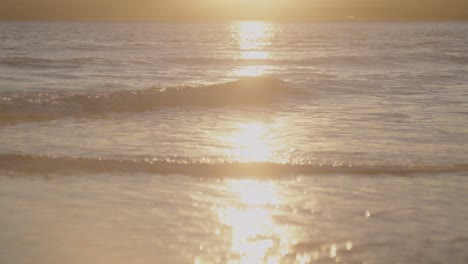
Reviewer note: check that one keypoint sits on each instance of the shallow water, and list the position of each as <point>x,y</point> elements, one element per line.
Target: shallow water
<point>139,218</point>
<point>245,142</point>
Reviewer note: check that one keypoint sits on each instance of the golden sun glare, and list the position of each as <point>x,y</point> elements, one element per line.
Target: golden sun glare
<point>253,230</point>
<point>253,39</point>
<point>250,143</point>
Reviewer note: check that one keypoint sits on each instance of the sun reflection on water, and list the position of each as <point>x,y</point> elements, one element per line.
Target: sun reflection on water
<point>253,35</point>
<point>254,235</point>
<point>255,55</point>
<point>255,193</point>
<point>253,39</point>
<point>251,71</point>
<point>250,143</point>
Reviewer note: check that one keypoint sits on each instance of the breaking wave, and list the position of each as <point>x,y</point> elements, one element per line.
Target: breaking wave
<point>262,90</point>
<point>204,167</point>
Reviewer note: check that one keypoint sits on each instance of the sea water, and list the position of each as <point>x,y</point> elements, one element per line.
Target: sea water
<point>242,142</point>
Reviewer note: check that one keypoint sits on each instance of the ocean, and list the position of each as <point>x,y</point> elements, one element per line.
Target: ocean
<point>241,142</point>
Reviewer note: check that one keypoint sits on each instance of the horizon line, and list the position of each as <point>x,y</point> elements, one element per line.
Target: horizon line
<point>208,21</point>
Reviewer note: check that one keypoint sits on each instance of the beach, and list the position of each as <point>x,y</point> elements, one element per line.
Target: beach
<point>240,142</point>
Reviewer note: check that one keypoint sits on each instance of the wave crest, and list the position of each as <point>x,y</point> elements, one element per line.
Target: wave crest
<point>262,90</point>
<point>194,167</point>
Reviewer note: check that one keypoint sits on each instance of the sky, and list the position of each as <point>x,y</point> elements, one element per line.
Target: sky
<point>221,10</point>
